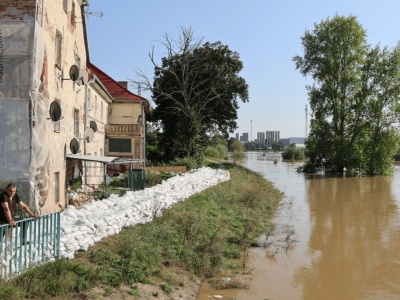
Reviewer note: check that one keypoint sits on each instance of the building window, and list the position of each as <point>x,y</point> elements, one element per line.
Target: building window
<point>57,187</point>
<point>76,123</point>
<point>119,145</point>
<point>65,5</point>
<point>58,49</point>
<point>101,111</point>
<point>73,14</point>
<point>95,107</point>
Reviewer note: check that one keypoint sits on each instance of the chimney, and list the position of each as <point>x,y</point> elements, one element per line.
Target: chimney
<point>124,84</point>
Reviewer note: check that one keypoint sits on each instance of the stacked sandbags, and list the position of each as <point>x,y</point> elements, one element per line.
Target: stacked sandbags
<point>82,227</point>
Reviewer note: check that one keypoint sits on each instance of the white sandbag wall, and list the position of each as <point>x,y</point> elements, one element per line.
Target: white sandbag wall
<point>84,226</point>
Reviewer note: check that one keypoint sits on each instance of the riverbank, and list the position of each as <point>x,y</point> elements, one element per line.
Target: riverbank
<point>207,234</point>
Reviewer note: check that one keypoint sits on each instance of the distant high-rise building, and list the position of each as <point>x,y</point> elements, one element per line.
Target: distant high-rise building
<point>292,140</point>
<point>237,136</point>
<point>271,136</point>
<point>244,137</point>
<point>261,137</point>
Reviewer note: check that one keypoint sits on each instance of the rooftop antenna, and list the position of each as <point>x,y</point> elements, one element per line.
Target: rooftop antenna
<point>139,89</point>
<point>98,14</point>
<point>251,130</point>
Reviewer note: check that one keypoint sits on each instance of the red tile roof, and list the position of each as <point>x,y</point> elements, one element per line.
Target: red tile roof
<point>117,91</point>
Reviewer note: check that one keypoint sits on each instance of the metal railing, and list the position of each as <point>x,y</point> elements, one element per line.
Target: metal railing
<point>29,243</point>
<point>125,129</point>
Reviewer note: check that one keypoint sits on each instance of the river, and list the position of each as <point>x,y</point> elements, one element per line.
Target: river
<point>334,238</point>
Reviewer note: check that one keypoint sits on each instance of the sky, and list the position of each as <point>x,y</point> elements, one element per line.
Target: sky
<point>265,33</point>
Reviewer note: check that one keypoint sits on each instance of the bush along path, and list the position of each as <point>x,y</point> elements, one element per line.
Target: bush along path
<point>208,233</point>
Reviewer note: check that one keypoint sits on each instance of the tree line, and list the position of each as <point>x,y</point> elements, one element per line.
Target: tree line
<point>354,98</point>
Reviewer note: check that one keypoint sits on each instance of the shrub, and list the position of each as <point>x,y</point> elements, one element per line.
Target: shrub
<point>76,184</point>
<point>189,162</point>
<point>217,151</point>
<point>156,177</point>
<point>211,152</point>
<point>293,153</point>
<point>222,150</point>
<point>238,155</point>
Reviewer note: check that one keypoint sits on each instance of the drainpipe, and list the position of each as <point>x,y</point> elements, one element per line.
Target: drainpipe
<point>85,120</point>
<point>144,146</point>
<point>144,135</point>
<point>84,128</point>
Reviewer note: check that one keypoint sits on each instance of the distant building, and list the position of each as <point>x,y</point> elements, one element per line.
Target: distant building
<point>237,136</point>
<point>261,137</point>
<point>300,141</point>
<point>244,137</point>
<point>271,136</point>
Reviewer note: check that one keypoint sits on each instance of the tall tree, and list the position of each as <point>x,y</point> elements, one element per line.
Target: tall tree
<point>196,90</point>
<point>354,98</point>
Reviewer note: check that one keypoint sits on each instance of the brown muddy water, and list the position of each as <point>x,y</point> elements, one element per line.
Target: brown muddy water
<point>334,238</point>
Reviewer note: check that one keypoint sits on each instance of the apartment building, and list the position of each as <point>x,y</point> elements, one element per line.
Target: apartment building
<point>54,108</point>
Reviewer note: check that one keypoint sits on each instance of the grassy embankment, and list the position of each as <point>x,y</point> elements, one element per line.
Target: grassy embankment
<point>208,234</point>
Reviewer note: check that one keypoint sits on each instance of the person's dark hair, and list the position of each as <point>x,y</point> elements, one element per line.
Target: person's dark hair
<point>10,185</point>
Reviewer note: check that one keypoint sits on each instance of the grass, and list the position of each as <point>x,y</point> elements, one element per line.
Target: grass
<point>209,232</point>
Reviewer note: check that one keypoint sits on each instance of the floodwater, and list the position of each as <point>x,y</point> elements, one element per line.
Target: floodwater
<point>334,238</point>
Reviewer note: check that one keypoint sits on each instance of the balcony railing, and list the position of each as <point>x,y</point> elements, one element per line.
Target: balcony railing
<point>124,130</point>
<point>30,242</point>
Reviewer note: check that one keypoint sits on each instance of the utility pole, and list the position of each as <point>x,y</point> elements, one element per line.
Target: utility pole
<point>251,130</point>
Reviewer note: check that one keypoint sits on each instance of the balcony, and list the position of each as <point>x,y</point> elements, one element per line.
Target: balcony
<point>124,130</point>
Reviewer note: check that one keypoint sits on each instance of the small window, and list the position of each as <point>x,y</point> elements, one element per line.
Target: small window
<point>73,14</point>
<point>95,106</point>
<point>76,123</point>
<point>65,5</point>
<point>101,111</point>
<point>58,49</point>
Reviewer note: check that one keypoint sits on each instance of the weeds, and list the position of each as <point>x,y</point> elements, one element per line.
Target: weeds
<point>166,288</point>
<point>156,177</point>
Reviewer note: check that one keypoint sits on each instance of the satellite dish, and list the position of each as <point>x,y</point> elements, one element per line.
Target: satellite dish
<point>74,73</point>
<point>85,76</point>
<point>74,146</point>
<point>55,111</point>
<point>93,125</point>
<point>88,135</point>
